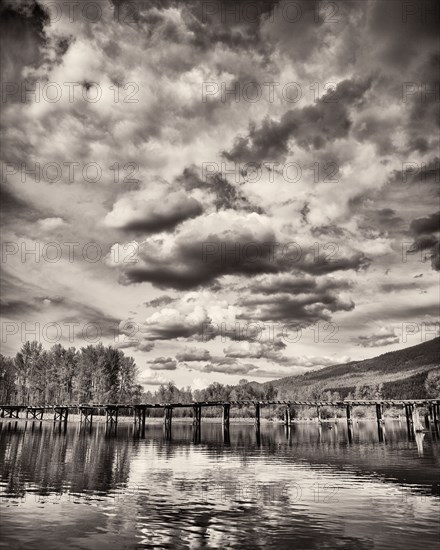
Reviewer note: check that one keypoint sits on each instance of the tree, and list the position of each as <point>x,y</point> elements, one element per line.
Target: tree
<point>432,384</point>
<point>8,388</point>
<point>28,370</point>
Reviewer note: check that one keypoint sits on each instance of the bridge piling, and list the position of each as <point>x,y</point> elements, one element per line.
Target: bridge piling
<point>111,415</point>
<point>257,414</point>
<point>168,415</point>
<point>318,413</point>
<point>287,416</point>
<point>379,413</point>
<point>61,414</point>
<point>226,415</point>
<point>86,414</point>
<point>197,414</point>
<point>348,412</point>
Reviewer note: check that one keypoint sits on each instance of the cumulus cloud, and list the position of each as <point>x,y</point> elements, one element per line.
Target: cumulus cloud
<point>190,354</point>
<point>363,75</point>
<point>271,351</point>
<point>226,243</point>
<point>144,213</point>
<point>162,363</point>
<point>311,127</point>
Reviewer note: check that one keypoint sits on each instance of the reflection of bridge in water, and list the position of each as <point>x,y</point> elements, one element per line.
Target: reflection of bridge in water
<point>139,411</point>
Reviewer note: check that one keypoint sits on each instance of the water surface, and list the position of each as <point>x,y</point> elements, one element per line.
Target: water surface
<point>73,486</point>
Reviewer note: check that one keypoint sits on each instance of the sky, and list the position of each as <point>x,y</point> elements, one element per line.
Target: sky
<point>223,190</point>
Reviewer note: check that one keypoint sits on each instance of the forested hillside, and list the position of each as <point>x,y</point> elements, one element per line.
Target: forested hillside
<point>413,372</point>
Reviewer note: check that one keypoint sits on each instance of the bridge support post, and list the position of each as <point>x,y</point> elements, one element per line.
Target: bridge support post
<point>427,419</point>
<point>86,414</point>
<point>61,414</point>
<point>287,416</point>
<point>348,411</point>
<point>143,418</point>
<point>168,415</point>
<point>318,413</point>
<point>435,413</point>
<point>197,414</point>
<point>257,413</point>
<point>409,420</point>
<point>226,414</point>
<point>111,415</point>
<point>379,412</point>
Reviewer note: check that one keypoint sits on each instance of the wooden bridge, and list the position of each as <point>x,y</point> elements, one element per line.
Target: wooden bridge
<point>139,411</point>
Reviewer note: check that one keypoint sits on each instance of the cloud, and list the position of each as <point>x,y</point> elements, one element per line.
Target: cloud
<point>189,318</point>
<point>162,363</point>
<point>226,243</point>
<point>159,301</point>
<point>271,351</point>
<point>183,260</point>
<point>50,224</point>
<point>226,368</point>
<point>190,354</point>
<point>144,212</point>
<point>290,299</point>
<point>152,379</point>
<point>311,127</point>
<point>426,237</point>
<point>385,336</point>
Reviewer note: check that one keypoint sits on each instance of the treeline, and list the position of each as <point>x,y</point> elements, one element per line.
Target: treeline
<point>170,393</point>
<point>93,374</point>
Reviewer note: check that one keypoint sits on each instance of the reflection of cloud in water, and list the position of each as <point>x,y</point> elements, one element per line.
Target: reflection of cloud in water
<point>294,485</point>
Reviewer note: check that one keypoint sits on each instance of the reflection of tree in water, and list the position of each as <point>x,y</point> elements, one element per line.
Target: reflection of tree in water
<point>84,461</point>
<point>34,453</point>
<point>101,458</point>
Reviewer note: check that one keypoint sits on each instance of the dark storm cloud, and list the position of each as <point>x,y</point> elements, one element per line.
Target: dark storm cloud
<point>403,29</point>
<point>305,305</point>
<point>424,226</point>
<point>311,127</point>
<point>21,39</point>
<point>228,244</point>
<point>426,237</point>
<point>189,265</point>
<point>13,207</point>
<point>231,23</point>
<point>162,221</point>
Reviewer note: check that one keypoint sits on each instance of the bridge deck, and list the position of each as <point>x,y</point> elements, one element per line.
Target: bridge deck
<point>247,403</point>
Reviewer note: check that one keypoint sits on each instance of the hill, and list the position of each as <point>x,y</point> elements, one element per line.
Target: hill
<point>398,374</point>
